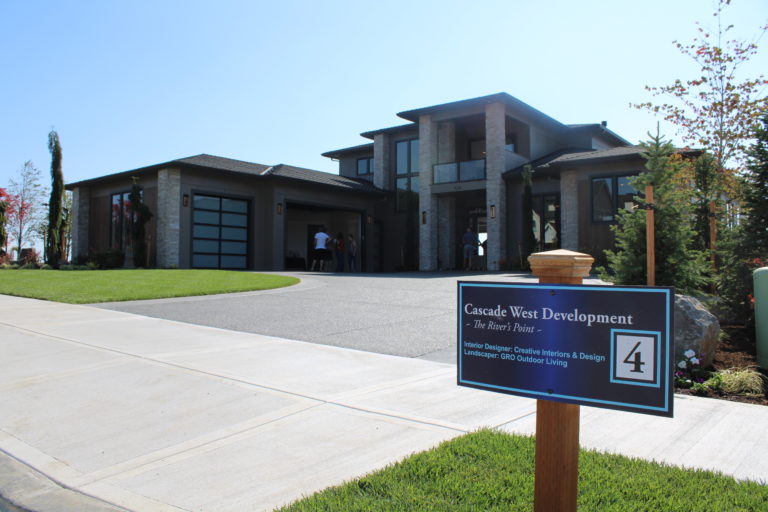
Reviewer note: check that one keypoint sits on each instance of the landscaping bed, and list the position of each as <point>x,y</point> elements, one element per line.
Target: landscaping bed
<point>736,350</point>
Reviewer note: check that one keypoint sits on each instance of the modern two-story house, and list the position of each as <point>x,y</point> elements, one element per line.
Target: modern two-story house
<point>407,196</point>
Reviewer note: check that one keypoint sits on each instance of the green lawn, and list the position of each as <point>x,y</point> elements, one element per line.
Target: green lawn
<point>492,471</point>
<point>88,286</point>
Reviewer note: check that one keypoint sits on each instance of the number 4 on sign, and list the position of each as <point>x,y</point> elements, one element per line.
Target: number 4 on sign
<point>638,362</point>
<point>634,358</point>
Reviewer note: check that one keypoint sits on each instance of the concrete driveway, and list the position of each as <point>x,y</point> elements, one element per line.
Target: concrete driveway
<point>406,314</point>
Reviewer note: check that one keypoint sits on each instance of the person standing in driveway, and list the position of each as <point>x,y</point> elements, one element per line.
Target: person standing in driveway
<point>321,253</point>
<point>470,247</point>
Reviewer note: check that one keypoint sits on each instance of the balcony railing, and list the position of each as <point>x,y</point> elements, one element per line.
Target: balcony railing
<point>470,170</point>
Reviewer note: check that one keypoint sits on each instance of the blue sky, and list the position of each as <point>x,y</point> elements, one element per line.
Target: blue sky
<point>134,83</point>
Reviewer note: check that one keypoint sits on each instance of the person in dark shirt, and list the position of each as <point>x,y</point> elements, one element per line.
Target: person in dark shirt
<point>470,247</point>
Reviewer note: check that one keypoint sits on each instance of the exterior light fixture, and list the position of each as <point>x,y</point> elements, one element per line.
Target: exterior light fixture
<point>493,211</point>
<point>370,219</point>
<point>185,200</point>
<point>279,208</point>
<point>424,217</point>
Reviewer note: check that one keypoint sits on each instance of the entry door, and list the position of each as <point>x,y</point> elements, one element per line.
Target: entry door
<point>479,224</point>
<point>546,221</point>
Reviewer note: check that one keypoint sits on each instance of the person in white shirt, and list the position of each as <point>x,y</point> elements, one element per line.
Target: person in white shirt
<point>321,253</point>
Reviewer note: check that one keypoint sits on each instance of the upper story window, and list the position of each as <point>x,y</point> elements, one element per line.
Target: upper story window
<point>364,166</point>
<point>407,157</point>
<point>609,193</point>
<point>407,173</point>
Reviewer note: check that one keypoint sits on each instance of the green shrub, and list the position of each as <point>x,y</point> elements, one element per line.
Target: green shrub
<point>715,382</point>
<point>109,259</point>
<point>77,267</point>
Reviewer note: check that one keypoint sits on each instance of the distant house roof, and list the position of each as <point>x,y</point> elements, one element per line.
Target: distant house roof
<point>229,165</point>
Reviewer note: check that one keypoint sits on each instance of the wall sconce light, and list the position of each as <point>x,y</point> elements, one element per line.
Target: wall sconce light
<point>423,217</point>
<point>279,208</point>
<point>370,219</point>
<point>493,211</point>
<point>185,200</point>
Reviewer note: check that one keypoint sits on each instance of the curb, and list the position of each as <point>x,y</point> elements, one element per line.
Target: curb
<point>22,489</point>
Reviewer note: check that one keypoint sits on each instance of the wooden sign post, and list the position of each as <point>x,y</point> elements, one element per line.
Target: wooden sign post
<point>650,240</point>
<point>557,424</point>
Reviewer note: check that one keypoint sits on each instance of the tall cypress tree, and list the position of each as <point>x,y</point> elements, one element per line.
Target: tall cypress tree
<point>678,264</point>
<point>55,204</point>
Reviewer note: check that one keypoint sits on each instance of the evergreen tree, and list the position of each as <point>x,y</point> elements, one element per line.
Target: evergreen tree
<point>55,204</point>
<point>746,247</point>
<point>678,264</point>
<point>708,188</point>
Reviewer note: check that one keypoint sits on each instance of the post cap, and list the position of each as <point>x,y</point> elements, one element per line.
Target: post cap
<point>560,263</point>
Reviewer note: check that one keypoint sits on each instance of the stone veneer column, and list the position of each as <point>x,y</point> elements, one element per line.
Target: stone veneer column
<point>81,202</point>
<point>168,217</point>
<point>382,162</point>
<point>495,188</point>
<point>569,211</point>
<point>427,212</point>
<point>446,207</point>
<point>447,230</point>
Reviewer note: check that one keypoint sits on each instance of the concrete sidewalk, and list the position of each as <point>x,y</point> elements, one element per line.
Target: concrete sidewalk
<point>103,410</point>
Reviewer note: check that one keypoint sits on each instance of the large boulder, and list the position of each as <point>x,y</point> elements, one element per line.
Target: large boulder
<point>696,329</point>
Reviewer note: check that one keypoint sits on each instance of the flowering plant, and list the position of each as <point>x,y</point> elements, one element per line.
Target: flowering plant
<point>689,371</point>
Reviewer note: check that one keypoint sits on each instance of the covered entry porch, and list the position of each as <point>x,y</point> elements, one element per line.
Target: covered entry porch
<point>458,211</point>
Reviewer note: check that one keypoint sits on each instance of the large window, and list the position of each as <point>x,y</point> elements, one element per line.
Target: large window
<point>407,174</point>
<point>364,166</point>
<point>120,221</point>
<point>609,194</point>
<point>219,232</point>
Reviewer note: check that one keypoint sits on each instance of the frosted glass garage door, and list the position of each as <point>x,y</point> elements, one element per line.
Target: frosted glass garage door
<point>219,232</point>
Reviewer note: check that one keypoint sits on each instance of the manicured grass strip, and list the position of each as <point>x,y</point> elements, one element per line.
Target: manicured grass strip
<point>493,471</point>
<point>89,286</point>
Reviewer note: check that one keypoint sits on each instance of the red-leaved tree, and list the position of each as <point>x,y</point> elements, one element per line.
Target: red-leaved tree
<point>717,110</point>
<point>26,196</point>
